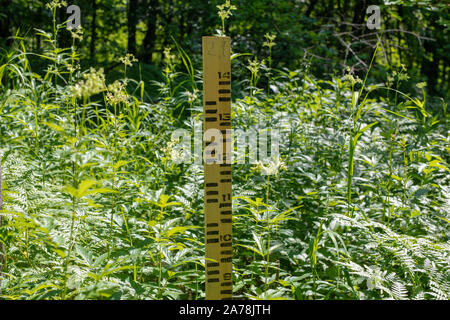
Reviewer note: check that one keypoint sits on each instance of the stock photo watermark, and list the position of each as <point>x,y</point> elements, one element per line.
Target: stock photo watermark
<point>374,20</point>
<point>256,145</point>
<point>74,20</point>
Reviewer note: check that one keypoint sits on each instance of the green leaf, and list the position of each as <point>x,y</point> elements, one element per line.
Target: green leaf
<point>360,132</point>
<point>120,163</point>
<point>237,55</point>
<point>84,186</point>
<point>436,163</point>
<point>99,260</point>
<point>84,189</point>
<point>252,249</point>
<point>175,230</point>
<point>99,190</point>
<point>85,254</point>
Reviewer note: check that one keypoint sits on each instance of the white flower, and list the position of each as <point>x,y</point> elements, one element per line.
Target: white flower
<point>421,85</point>
<point>56,4</point>
<point>116,93</point>
<point>168,57</point>
<point>94,82</point>
<point>225,10</point>
<point>272,167</point>
<point>174,152</point>
<point>128,59</point>
<point>255,65</point>
<point>77,33</point>
<point>269,40</point>
<point>192,96</point>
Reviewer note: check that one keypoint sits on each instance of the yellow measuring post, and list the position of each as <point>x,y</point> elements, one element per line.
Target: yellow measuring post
<point>217,167</point>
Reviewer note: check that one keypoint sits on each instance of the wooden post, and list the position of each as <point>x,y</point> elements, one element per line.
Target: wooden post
<point>2,248</point>
<point>218,179</point>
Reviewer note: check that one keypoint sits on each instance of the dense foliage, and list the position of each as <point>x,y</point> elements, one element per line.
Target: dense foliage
<point>94,207</point>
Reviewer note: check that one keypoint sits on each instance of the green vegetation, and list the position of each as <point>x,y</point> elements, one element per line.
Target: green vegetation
<point>356,207</point>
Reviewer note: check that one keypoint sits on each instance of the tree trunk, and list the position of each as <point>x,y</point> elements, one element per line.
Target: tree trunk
<point>132,17</point>
<point>343,14</point>
<point>2,247</point>
<point>5,32</point>
<point>38,43</point>
<point>64,38</point>
<point>93,29</point>
<point>359,13</point>
<point>430,58</point>
<point>150,35</point>
<point>181,25</point>
<point>311,7</point>
<point>430,65</point>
